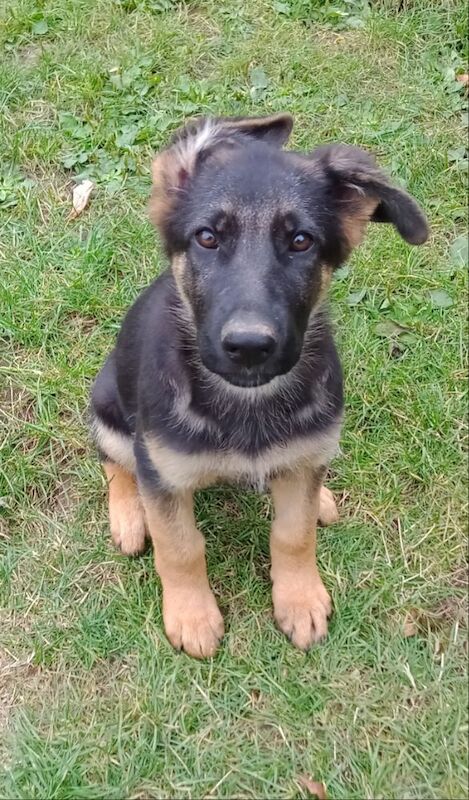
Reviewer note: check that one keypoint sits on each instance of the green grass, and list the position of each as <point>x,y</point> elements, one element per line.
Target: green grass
<point>93,701</point>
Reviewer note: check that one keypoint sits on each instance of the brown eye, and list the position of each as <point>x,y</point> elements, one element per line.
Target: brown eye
<point>301,242</point>
<point>206,238</point>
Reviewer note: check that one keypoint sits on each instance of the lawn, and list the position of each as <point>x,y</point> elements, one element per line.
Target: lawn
<point>94,703</point>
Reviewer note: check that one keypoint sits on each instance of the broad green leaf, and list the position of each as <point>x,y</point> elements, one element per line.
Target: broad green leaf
<point>356,297</point>
<point>460,251</point>
<point>40,27</point>
<point>408,337</point>
<point>342,273</point>
<point>282,8</point>
<point>457,154</point>
<point>385,304</point>
<point>389,329</point>
<point>440,298</point>
<point>127,136</point>
<point>184,84</point>
<point>258,78</point>
<point>355,22</point>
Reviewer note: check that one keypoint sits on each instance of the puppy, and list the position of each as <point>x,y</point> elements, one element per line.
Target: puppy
<point>225,368</point>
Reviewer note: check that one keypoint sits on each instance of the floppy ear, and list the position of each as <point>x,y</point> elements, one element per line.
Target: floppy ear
<point>173,168</point>
<point>365,194</point>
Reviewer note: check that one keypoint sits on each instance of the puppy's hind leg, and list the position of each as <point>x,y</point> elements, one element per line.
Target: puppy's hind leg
<point>126,515</point>
<point>113,439</point>
<point>328,513</point>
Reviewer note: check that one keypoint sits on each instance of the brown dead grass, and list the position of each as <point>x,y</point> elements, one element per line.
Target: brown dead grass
<point>17,406</point>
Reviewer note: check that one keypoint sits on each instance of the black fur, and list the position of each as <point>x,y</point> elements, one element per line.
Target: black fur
<point>156,361</point>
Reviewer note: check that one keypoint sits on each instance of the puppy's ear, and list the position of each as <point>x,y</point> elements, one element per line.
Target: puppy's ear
<point>274,130</point>
<point>173,168</point>
<point>365,194</point>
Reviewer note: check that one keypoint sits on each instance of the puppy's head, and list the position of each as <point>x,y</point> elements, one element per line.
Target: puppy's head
<point>254,233</point>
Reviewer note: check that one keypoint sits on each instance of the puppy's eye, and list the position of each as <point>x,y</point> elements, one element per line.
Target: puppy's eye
<point>206,238</point>
<point>300,242</point>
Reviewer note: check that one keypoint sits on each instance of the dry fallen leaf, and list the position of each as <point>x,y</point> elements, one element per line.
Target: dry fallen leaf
<point>80,197</point>
<point>315,788</point>
<point>409,629</point>
<point>410,626</point>
<point>254,696</point>
<point>464,78</point>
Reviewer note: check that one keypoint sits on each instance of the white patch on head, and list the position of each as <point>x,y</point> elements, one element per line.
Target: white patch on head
<point>195,471</point>
<point>189,148</point>
<point>116,446</point>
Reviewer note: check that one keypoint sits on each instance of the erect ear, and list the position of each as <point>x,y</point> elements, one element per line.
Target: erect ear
<point>173,168</point>
<point>274,129</point>
<point>365,194</point>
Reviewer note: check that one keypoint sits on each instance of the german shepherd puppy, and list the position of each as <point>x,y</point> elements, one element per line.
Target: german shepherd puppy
<point>225,368</point>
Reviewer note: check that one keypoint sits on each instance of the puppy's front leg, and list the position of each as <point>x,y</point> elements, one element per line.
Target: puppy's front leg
<point>191,616</point>
<point>301,603</point>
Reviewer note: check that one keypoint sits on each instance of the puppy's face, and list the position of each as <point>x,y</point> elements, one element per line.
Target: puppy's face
<point>254,233</point>
<point>250,234</point>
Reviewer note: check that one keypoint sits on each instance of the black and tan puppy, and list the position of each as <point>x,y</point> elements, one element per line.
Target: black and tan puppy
<point>225,368</point>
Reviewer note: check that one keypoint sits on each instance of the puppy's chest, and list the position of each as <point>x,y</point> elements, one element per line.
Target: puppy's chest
<point>189,470</point>
<point>192,447</point>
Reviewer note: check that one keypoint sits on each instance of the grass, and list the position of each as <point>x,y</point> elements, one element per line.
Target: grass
<point>93,701</point>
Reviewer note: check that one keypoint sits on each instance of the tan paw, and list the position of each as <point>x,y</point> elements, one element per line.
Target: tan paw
<point>192,621</point>
<point>328,513</point>
<point>127,522</point>
<point>301,608</point>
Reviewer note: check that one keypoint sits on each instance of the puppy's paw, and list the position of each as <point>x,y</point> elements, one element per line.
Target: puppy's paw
<point>328,513</point>
<point>127,522</point>
<point>193,621</point>
<point>301,610</point>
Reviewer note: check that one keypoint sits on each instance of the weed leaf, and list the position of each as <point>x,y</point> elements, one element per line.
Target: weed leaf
<point>440,298</point>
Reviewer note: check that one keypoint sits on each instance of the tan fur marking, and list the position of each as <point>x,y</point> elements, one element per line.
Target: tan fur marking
<point>354,225</point>
<point>191,616</point>
<point>125,510</point>
<point>167,167</point>
<point>116,446</point>
<point>328,513</point>
<point>183,471</point>
<point>178,266</point>
<point>301,603</point>
<point>326,278</point>
<point>164,173</point>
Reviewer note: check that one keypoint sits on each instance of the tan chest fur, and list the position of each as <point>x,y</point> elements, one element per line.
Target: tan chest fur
<point>196,471</point>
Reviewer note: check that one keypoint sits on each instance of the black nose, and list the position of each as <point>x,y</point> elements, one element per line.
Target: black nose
<point>248,348</point>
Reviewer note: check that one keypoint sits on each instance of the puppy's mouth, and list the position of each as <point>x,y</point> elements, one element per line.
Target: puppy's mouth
<point>248,377</point>
<point>242,378</point>
<point>247,380</point>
